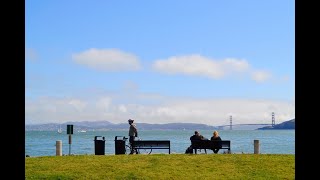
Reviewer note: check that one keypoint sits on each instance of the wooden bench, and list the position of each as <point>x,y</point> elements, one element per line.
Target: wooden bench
<point>151,144</point>
<point>208,144</point>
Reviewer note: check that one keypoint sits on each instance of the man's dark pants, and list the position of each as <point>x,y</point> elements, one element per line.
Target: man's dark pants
<point>131,139</point>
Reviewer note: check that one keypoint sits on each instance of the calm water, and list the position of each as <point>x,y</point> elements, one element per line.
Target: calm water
<point>42,143</point>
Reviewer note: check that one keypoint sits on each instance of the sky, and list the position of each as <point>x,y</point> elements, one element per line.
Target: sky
<point>160,61</point>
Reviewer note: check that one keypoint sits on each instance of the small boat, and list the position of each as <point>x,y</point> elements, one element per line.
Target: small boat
<point>83,131</point>
<point>60,130</point>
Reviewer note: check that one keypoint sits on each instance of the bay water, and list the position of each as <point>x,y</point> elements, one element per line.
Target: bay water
<point>43,143</point>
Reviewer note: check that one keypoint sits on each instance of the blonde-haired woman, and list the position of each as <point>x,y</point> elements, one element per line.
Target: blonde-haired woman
<point>215,137</point>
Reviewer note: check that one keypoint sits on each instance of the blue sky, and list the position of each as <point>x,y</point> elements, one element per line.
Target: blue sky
<point>160,61</point>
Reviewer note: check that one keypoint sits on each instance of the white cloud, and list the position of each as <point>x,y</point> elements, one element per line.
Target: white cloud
<point>261,76</point>
<point>107,60</point>
<point>118,109</point>
<point>201,66</point>
<point>197,65</point>
<point>59,110</point>
<point>122,108</point>
<point>104,103</point>
<point>235,65</point>
<point>190,65</point>
<point>77,104</point>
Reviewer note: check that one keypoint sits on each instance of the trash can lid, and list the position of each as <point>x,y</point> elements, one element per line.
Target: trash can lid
<point>96,137</point>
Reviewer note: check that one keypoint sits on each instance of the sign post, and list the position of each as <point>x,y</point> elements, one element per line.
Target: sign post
<point>69,132</point>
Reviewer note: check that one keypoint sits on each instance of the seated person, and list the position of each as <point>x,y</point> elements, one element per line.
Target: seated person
<point>216,137</point>
<point>197,136</point>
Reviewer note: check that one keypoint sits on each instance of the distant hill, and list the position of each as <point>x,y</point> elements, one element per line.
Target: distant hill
<point>284,125</point>
<point>106,125</point>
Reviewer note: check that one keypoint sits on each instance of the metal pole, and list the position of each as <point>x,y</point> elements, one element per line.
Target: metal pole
<point>69,144</point>
<point>256,147</point>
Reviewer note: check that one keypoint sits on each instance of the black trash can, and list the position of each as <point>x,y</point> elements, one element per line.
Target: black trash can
<point>120,145</point>
<point>99,145</point>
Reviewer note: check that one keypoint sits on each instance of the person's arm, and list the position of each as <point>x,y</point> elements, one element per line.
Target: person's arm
<point>201,137</point>
<point>135,131</point>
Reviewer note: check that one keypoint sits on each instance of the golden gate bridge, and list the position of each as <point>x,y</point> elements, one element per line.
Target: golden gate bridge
<point>231,125</point>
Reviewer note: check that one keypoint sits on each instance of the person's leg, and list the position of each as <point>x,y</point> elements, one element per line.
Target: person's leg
<point>215,151</point>
<point>133,148</point>
<point>131,139</point>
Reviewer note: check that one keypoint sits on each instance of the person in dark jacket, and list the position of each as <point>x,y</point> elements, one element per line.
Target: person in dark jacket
<point>133,132</point>
<point>216,137</point>
<point>197,136</point>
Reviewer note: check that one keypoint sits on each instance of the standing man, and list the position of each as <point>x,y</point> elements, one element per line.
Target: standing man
<point>133,132</point>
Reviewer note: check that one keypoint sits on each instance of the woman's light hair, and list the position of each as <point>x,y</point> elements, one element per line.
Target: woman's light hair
<point>215,133</point>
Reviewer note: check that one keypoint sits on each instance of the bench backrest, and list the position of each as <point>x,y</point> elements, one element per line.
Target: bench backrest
<point>208,144</point>
<point>151,143</point>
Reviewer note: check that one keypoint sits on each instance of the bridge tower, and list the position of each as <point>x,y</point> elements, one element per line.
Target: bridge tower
<point>273,120</point>
<point>230,122</point>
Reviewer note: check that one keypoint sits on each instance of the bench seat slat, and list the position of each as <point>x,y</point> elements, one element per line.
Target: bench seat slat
<point>152,144</point>
<point>208,144</point>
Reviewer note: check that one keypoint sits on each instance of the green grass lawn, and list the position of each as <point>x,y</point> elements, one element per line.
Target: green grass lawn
<point>162,166</point>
